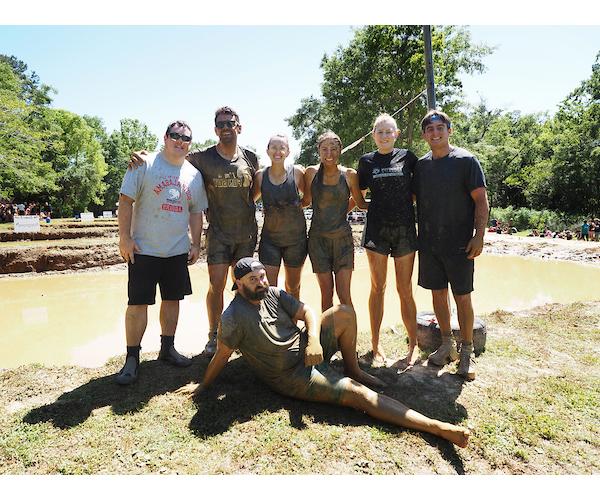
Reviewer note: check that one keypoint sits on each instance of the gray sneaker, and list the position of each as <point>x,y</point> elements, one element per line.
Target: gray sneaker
<point>172,357</point>
<point>466,365</point>
<point>211,346</point>
<point>129,372</point>
<point>446,353</point>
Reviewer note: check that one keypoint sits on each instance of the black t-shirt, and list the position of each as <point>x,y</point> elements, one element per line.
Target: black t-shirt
<point>389,179</point>
<point>445,209</point>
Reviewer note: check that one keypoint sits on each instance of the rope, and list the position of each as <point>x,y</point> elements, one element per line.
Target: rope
<point>358,141</point>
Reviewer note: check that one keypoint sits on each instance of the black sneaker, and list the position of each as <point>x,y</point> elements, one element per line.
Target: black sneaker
<point>172,357</point>
<point>129,372</point>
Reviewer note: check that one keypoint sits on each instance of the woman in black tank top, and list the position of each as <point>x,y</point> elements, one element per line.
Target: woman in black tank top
<point>328,187</point>
<point>283,235</point>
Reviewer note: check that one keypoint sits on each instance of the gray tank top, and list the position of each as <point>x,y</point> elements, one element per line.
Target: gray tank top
<point>330,207</point>
<point>284,223</point>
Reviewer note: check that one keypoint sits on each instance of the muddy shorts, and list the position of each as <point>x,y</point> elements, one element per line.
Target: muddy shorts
<point>436,271</point>
<point>331,254</point>
<point>293,255</point>
<point>315,383</point>
<point>170,273</point>
<point>221,252</point>
<point>396,241</point>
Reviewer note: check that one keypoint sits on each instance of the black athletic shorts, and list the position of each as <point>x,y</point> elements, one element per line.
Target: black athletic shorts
<point>170,273</point>
<point>396,241</point>
<point>436,271</point>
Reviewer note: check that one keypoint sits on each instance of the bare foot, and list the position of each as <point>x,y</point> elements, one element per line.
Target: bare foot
<point>366,379</point>
<point>413,355</point>
<point>457,435</point>
<point>190,390</point>
<point>379,358</point>
<point>409,360</point>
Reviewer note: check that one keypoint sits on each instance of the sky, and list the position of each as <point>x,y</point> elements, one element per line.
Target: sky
<point>160,73</point>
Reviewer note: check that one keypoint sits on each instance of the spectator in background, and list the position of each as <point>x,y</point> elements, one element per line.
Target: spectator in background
<point>585,231</point>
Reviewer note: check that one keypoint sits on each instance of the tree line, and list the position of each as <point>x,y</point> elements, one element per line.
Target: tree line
<point>56,156</point>
<point>536,161</point>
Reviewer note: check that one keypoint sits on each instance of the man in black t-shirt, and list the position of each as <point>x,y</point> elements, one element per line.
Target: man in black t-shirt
<point>451,202</point>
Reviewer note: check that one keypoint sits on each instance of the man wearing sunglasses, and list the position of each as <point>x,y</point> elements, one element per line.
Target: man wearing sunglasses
<point>227,170</point>
<point>157,203</point>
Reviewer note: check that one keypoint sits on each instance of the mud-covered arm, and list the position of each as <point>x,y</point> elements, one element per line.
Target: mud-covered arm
<point>309,175</point>
<point>313,355</point>
<point>357,195</point>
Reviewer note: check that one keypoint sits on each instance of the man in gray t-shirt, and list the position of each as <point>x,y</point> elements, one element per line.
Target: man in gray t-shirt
<point>157,203</point>
<point>261,323</point>
<point>228,171</point>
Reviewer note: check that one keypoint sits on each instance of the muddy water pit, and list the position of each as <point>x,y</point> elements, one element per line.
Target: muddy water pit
<point>77,318</point>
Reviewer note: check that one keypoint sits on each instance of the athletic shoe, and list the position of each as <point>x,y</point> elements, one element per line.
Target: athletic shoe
<point>129,372</point>
<point>466,365</point>
<point>172,357</point>
<point>211,346</point>
<point>446,353</point>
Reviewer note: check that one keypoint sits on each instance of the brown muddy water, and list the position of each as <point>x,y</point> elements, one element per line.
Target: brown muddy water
<point>78,318</point>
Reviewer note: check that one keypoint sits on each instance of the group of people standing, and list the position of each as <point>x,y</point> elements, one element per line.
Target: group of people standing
<point>172,188</point>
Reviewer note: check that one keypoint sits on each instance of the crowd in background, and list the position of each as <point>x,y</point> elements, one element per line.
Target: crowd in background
<point>8,210</point>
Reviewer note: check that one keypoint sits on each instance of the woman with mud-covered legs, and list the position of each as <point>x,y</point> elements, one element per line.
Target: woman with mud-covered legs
<point>328,187</point>
<point>283,236</point>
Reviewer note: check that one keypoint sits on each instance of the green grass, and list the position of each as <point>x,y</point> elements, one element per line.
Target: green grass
<point>533,409</point>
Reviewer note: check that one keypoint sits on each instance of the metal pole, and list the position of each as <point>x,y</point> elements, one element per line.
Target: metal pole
<point>429,67</point>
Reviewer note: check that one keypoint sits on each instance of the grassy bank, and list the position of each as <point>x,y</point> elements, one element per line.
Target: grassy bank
<point>534,409</point>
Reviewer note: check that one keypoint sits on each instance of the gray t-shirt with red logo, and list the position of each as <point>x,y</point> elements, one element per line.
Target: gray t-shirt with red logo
<point>164,196</point>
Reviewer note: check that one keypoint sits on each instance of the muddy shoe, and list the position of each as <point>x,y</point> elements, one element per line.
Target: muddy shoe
<point>211,346</point>
<point>466,365</point>
<point>446,353</point>
<point>129,372</point>
<point>172,357</point>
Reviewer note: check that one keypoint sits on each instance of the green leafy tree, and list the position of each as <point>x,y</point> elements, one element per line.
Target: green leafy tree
<point>382,69</point>
<point>32,91</point>
<point>76,157</point>
<point>132,135</point>
<point>574,166</point>
<point>23,172</point>
<point>508,147</point>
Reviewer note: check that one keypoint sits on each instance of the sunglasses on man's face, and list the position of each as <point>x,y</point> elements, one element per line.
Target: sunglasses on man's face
<point>227,123</point>
<point>175,136</point>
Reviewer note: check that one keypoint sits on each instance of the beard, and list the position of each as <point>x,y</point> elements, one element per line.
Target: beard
<point>257,294</point>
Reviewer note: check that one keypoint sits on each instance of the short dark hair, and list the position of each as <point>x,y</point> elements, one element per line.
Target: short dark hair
<point>433,115</point>
<point>226,110</point>
<point>178,123</point>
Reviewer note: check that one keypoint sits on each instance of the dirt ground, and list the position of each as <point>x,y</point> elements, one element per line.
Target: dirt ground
<point>73,247</point>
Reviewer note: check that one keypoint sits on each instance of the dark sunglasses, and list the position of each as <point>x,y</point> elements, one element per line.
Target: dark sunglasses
<point>175,136</point>
<point>227,123</point>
